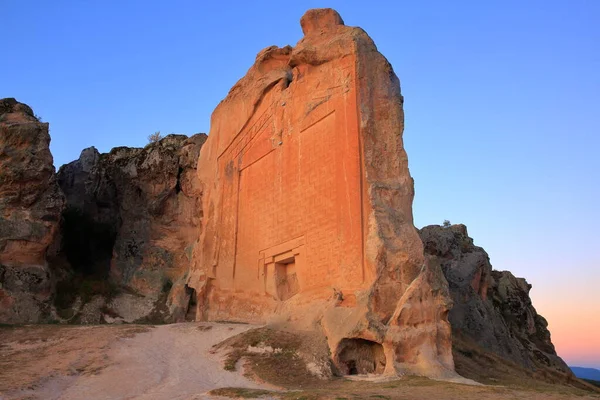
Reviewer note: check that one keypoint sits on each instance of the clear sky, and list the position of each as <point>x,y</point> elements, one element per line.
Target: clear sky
<point>502,102</point>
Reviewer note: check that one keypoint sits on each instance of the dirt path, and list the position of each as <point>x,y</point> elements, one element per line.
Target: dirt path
<point>165,362</point>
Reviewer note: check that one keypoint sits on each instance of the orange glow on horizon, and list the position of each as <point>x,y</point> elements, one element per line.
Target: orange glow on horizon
<point>574,326</point>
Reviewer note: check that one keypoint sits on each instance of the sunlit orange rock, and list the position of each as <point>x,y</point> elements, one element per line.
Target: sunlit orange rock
<point>307,203</point>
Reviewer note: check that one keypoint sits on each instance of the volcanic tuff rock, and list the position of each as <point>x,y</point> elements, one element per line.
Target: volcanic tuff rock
<point>491,308</point>
<point>30,208</point>
<point>308,207</point>
<point>132,216</point>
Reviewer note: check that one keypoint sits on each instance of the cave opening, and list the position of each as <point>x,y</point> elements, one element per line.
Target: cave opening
<point>87,244</point>
<point>85,255</point>
<point>360,356</point>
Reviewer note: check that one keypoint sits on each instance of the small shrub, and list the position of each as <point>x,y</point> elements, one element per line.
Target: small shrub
<point>446,224</point>
<point>155,137</point>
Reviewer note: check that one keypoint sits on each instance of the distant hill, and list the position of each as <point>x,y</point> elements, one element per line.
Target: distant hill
<point>586,373</point>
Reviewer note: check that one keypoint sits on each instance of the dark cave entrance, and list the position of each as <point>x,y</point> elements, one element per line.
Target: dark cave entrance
<point>190,314</point>
<point>84,258</point>
<point>87,244</point>
<point>360,356</point>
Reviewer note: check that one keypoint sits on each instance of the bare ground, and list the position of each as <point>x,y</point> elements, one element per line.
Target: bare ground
<point>115,362</point>
<point>139,362</point>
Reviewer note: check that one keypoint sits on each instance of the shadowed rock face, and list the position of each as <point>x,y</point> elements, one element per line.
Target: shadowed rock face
<point>30,208</point>
<point>491,308</point>
<point>132,216</point>
<point>308,205</point>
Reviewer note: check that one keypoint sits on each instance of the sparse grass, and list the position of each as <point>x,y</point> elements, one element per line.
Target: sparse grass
<point>405,388</point>
<point>287,342</point>
<point>485,367</point>
<point>232,359</point>
<point>269,366</point>
<point>244,393</point>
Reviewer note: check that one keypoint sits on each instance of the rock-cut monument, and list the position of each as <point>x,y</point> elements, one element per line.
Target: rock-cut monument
<point>307,207</point>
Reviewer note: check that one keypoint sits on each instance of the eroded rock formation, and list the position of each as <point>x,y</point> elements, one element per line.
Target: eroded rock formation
<point>308,206</point>
<point>297,212</point>
<point>132,217</point>
<point>492,309</point>
<point>30,207</point>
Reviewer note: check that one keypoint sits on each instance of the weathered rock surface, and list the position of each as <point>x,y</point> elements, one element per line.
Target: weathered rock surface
<point>308,207</point>
<point>30,209</point>
<point>132,217</point>
<point>491,308</point>
<point>297,212</point>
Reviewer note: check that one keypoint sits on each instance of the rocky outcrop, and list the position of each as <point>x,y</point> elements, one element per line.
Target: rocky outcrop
<point>30,207</point>
<point>132,217</point>
<point>308,207</point>
<point>492,309</point>
<point>297,212</point>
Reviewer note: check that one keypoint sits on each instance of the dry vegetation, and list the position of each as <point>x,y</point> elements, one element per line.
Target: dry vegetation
<point>291,351</point>
<point>407,388</point>
<point>487,368</point>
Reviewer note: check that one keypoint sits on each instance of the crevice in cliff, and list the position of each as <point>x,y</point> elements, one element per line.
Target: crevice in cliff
<point>178,184</point>
<point>190,314</point>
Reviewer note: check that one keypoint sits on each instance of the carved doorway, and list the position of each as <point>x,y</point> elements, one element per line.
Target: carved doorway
<point>286,278</point>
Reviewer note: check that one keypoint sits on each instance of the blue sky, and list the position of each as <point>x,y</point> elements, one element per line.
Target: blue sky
<point>502,102</point>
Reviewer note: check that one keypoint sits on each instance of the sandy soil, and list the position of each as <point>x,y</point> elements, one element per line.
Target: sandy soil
<point>115,362</point>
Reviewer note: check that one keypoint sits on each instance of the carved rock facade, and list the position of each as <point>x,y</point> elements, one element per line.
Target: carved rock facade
<point>307,201</point>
